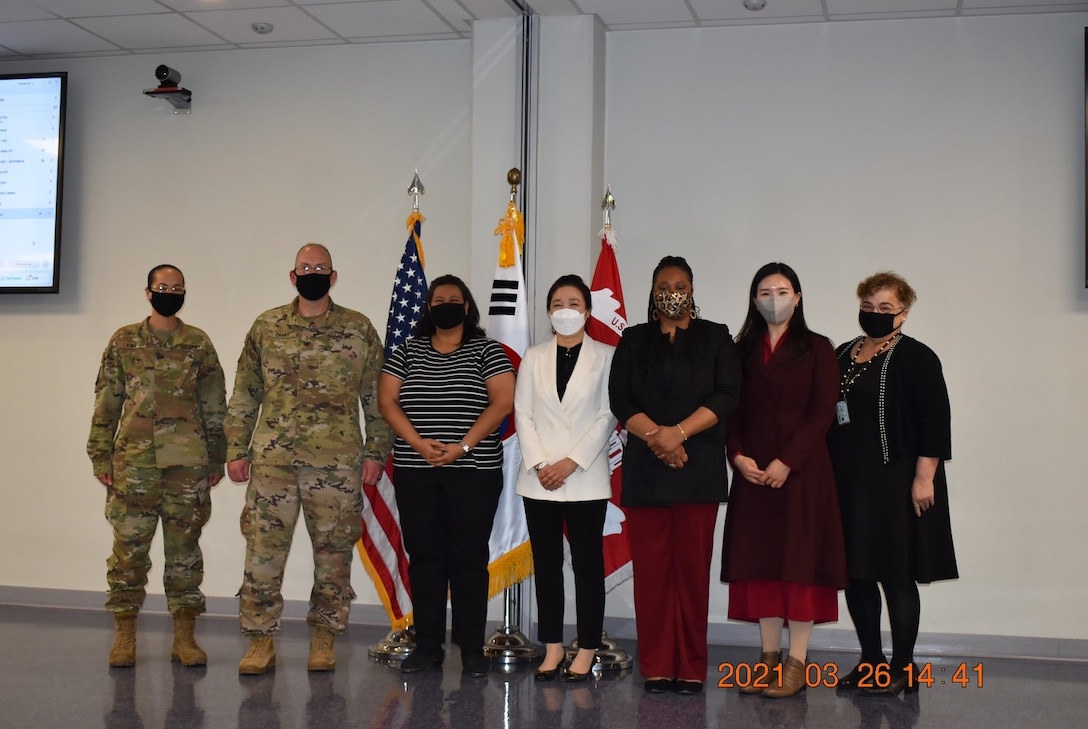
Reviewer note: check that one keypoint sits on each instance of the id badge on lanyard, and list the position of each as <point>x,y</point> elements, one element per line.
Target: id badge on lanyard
<point>842,412</point>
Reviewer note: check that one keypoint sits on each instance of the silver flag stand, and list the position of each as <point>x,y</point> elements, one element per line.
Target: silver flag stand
<point>508,644</point>
<point>399,644</point>
<point>395,647</point>
<point>610,656</point>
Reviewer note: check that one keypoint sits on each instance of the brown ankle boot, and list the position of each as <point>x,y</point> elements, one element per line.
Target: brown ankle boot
<point>123,652</point>
<point>260,657</point>
<point>793,680</point>
<point>322,657</point>
<point>761,681</point>
<point>185,650</point>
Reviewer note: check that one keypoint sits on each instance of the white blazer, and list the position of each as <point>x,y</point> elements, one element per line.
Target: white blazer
<point>578,427</point>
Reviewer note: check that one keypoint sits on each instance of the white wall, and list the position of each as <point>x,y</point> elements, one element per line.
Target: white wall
<point>949,150</point>
<point>283,147</point>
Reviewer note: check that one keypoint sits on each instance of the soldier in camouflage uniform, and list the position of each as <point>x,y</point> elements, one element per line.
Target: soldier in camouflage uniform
<point>293,431</point>
<point>157,445</point>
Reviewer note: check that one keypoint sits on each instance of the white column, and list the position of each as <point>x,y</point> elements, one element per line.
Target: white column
<point>569,171</point>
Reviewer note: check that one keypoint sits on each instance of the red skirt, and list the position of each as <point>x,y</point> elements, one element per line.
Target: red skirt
<point>750,600</point>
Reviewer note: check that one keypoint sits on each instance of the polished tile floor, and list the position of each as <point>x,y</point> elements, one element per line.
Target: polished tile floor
<point>53,673</point>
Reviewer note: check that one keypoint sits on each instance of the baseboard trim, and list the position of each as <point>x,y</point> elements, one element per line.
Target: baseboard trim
<point>952,646</point>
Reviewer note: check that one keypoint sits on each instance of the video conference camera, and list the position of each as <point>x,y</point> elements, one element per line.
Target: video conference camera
<point>167,76</point>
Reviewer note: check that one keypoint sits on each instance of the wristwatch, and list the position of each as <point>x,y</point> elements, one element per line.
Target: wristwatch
<point>465,447</point>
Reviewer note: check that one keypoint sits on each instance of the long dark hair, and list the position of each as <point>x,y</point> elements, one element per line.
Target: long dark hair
<point>426,328</point>
<point>798,335</point>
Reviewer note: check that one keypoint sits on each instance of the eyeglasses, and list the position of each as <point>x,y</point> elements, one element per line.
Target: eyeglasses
<point>306,269</point>
<point>881,309</point>
<point>164,289</point>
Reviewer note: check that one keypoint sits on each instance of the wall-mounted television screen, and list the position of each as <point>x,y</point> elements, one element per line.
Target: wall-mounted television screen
<point>31,171</point>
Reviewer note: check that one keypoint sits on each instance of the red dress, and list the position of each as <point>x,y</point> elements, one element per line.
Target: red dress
<point>783,553</point>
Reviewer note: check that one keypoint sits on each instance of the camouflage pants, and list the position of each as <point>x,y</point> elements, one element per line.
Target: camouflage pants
<point>137,501</point>
<point>331,501</point>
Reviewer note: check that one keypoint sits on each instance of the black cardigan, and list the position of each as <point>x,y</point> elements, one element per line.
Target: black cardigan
<point>668,382</point>
<point>917,416</point>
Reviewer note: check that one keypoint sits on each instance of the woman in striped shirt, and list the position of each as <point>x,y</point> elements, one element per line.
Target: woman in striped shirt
<point>445,393</point>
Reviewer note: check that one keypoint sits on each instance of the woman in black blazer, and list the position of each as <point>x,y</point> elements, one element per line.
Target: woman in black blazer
<point>673,381</point>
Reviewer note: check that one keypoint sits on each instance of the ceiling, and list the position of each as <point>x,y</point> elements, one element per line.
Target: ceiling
<point>32,29</point>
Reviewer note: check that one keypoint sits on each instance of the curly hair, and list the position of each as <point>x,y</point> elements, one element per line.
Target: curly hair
<point>888,280</point>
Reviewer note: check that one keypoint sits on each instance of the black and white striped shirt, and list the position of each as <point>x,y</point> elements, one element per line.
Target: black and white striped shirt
<point>444,394</point>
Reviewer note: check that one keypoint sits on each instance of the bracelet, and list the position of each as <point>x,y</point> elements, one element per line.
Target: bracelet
<point>682,431</point>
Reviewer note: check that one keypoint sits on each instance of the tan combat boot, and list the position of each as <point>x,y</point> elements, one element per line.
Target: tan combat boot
<point>259,658</point>
<point>123,652</point>
<point>322,657</point>
<point>185,650</point>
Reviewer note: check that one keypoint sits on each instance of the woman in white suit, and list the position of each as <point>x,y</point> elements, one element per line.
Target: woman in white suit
<point>564,422</point>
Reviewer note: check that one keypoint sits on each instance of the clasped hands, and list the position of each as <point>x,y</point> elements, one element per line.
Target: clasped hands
<point>437,453</point>
<point>774,475</point>
<point>667,443</point>
<point>554,475</point>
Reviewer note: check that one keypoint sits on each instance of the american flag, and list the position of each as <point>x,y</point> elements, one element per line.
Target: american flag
<point>381,546</point>
<point>409,292</point>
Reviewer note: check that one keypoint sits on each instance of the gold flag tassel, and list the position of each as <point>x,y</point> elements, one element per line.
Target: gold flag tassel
<point>512,230</point>
<point>416,217</point>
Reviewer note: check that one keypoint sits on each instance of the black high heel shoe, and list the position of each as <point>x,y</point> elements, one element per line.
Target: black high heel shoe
<point>900,683</point>
<point>572,677</point>
<point>551,675</point>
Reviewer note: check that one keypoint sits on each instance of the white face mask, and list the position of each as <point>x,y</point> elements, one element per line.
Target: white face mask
<point>776,309</point>
<point>568,321</point>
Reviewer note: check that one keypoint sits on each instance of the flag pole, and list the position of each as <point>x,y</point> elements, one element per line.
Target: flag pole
<point>508,645</point>
<point>610,655</point>
<point>400,643</point>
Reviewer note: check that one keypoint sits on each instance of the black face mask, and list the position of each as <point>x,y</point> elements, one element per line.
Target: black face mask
<point>876,324</point>
<point>167,304</point>
<point>313,286</point>
<point>448,316</point>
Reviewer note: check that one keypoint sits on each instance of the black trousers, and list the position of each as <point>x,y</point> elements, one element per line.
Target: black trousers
<point>446,516</point>
<point>585,527</point>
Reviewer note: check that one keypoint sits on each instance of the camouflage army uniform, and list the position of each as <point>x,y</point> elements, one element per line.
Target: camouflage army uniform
<point>295,415</point>
<point>158,429</point>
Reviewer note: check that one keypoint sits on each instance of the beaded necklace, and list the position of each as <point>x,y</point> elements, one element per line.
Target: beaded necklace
<point>844,385</point>
<point>857,369</point>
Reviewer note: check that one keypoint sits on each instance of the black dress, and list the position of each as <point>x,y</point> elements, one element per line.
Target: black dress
<point>874,459</point>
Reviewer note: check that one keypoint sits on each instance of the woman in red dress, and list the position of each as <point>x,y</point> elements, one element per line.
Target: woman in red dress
<point>783,553</point>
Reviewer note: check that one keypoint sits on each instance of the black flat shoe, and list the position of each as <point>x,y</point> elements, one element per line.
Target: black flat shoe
<point>657,685</point>
<point>474,664</point>
<point>900,683</point>
<point>421,659</point>
<point>687,688</point>
<point>571,677</point>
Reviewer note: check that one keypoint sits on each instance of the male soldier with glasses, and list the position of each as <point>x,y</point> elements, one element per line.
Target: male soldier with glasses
<point>293,432</point>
